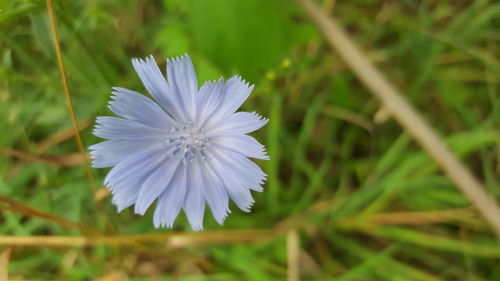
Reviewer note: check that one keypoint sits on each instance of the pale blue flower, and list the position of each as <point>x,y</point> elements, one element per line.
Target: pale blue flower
<point>186,147</point>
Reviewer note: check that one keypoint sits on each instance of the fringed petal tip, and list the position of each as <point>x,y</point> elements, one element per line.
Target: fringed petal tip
<point>179,59</point>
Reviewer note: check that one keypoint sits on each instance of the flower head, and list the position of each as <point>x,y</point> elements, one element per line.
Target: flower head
<point>186,146</point>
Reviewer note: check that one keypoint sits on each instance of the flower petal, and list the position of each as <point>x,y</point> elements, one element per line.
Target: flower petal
<point>241,168</point>
<point>194,203</point>
<point>172,198</point>
<point>240,195</point>
<point>215,193</point>
<point>111,152</point>
<point>155,184</point>
<point>155,84</point>
<point>234,93</point>
<point>208,99</point>
<point>137,107</point>
<point>242,144</point>
<point>123,129</point>
<point>134,166</point>
<point>183,82</point>
<point>126,194</point>
<point>126,178</point>
<point>237,123</point>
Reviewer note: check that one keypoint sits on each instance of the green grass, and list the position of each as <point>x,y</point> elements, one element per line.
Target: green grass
<point>329,176</point>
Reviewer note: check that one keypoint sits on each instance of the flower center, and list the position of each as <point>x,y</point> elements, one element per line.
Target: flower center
<point>188,140</point>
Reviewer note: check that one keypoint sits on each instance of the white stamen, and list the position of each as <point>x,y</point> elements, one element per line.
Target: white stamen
<point>189,140</point>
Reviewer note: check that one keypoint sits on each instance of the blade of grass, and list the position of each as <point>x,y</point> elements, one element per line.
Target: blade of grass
<point>369,264</point>
<point>299,158</point>
<point>273,141</point>
<point>384,185</point>
<point>410,272</point>
<point>25,9</point>
<point>479,54</point>
<point>434,241</point>
<point>349,116</point>
<point>405,114</point>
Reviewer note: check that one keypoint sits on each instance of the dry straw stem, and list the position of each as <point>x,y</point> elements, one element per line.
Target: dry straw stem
<point>68,160</point>
<point>172,239</point>
<point>18,207</point>
<point>4,264</point>
<point>61,136</point>
<point>183,239</point>
<point>413,218</point>
<point>69,102</point>
<point>405,114</point>
<point>293,254</point>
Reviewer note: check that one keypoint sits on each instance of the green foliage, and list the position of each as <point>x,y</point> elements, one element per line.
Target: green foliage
<point>333,169</point>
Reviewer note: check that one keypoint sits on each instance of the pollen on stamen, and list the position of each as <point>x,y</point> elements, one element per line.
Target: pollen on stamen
<point>188,140</point>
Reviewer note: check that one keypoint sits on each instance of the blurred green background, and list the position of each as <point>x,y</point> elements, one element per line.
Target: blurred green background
<point>365,201</point>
